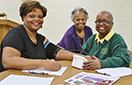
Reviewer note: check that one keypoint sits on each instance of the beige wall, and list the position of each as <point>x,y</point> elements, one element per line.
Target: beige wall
<point>58,19</point>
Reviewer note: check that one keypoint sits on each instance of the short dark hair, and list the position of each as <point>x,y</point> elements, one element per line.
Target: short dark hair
<point>29,6</point>
<point>111,16</point>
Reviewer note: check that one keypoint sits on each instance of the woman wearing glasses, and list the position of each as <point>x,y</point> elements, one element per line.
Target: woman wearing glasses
<point>106,47</point>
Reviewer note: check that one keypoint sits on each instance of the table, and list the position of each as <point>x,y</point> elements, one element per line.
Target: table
<point>71,71</point>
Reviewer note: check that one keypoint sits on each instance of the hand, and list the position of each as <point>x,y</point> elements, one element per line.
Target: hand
<point>92,64</point>
<point>52,65</point>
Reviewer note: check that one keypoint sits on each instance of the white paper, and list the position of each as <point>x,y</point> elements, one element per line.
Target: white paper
<point>47,72</point>
<point>26,80</point>
<point>119,71</point>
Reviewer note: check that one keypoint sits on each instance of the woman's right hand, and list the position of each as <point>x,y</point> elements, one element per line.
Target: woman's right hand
<point>51,65</point>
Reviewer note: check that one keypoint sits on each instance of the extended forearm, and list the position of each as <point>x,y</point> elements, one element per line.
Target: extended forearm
<point>21,63</point>
<point>64,55</point>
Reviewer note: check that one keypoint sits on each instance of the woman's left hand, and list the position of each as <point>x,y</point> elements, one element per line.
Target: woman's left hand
<point>92,64</point>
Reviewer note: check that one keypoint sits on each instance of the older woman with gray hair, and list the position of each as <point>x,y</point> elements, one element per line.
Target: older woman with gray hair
<point>78,33</point>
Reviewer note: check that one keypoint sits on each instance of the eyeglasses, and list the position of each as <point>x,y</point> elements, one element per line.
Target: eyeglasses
<point>104,22</point>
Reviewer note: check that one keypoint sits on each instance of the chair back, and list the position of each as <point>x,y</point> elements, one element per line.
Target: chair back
<point>1,66</point>
<point>130,52</point>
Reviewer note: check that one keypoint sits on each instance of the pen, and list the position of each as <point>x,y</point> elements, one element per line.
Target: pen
<point>107,74</point>
<point>44,73</point>
<point>32,72</point>
<point>104,73</point>
<point>91,57</point>
<point>39,73</point>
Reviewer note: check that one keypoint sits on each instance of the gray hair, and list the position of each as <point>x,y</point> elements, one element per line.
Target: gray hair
<point>77,10</point>
<point>111,16</point>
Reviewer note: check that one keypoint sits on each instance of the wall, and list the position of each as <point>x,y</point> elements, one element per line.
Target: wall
<point>58,18</point>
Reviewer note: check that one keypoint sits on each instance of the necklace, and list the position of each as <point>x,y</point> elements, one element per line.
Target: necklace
<point>81,37</point>
<point>35,42</point>
<point>31,35</point>
<point>80,34</point>
<point>82,41</point>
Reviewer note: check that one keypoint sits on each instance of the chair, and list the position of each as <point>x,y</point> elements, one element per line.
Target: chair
<point>130,52</point>
<point>1,66</point>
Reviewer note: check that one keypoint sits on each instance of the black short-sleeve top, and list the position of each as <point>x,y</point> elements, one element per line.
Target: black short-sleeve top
<point>18,39</point>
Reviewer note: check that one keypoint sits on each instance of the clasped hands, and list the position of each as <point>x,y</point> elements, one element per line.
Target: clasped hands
<point>92,63</point>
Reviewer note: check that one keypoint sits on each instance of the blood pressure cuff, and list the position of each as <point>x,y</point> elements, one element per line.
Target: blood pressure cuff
<point>51,50</point>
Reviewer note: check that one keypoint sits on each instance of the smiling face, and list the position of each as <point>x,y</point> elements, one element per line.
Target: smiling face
<point>33,21</point>
<point>105,23</point>
<point>80,20</point>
